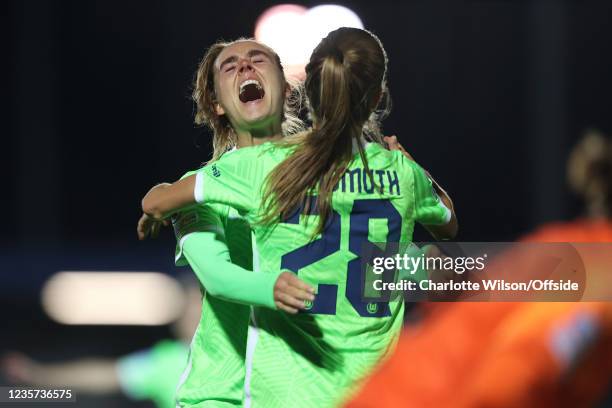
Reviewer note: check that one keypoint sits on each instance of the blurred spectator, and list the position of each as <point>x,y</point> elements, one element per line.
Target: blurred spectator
<point>150,374</point>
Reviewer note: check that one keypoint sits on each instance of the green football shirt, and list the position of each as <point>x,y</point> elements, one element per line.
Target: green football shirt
<point>312,359</point>
<point>215,372</point>
<point>153,373</point>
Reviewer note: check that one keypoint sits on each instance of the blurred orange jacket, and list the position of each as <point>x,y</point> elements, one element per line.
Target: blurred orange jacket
<point>502,354</point>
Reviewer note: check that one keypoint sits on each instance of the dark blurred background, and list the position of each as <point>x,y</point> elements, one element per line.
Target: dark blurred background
<point>488,95</point>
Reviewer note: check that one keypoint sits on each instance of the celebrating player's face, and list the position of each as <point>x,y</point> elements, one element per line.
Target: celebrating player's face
<point>250,86</point>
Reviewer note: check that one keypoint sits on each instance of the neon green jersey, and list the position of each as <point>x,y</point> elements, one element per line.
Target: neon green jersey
<point>312,358</point>
<point>214,376</point>
<point>153,373</point>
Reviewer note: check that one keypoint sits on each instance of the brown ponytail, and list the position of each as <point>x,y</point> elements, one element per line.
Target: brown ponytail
<point>344,81</point>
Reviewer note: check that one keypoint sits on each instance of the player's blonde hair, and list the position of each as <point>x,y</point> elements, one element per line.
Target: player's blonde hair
<point>345,81</point>
<point>204,96</point>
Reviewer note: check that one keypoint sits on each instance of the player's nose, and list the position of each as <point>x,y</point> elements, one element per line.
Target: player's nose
<point>245,65</point>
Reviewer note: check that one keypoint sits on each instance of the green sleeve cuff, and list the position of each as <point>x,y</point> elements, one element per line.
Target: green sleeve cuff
<point>429,208</point>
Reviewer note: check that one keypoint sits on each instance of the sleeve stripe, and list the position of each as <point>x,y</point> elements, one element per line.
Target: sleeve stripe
<point>198,191</point>
<point>447,214</point>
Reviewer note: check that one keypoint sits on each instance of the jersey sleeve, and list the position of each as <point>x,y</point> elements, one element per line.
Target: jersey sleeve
<point>153,373</point>
<point>201,244</point>
<point>135,372</point>
<point>429,208</point>
<point>233,180</point>
<point>197,219</point>
<point>208,256</point>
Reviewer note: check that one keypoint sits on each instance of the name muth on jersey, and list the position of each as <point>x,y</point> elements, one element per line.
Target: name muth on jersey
<point>358,181</point>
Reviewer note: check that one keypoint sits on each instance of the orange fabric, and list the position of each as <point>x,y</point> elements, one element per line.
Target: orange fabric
<point>573,231</point>
<point>523,366</point>
<point>430,360</point>
<point>498,355</point>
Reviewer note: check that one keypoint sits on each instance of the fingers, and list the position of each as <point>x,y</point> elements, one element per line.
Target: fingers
<point>392,142</point>
<point>291,301</point>
<point>141,228</point>
<point>154,231</point>
<point>148,226</point>
<point>300,295</point>
<point>288,309</point>
<point>155,226</point>
<point>296,282</point>
<point>289,284</point>
<point>291,293</point>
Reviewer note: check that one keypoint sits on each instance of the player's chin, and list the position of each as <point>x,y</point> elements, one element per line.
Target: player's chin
<point>255,118</point>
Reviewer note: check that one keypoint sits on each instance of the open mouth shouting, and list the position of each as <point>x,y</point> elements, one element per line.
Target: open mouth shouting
<point>250,90</point>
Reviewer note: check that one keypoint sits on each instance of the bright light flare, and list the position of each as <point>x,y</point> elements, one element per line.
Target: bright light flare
<point>320,20</point>
<point>121,298</point>
<point>294,31</point>
<point>275,25</point>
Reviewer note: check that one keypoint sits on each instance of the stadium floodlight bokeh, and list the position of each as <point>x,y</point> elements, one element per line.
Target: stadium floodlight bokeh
<point>293,31</point>
<point>121,298</point>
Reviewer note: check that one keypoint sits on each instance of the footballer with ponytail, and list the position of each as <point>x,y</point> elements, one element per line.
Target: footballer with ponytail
<point>344,84</point>
<point>378,196</point>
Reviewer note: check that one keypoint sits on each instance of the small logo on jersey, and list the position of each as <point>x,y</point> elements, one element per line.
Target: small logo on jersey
<point>372,308</point>
<point>308,304</point>
<point>215,171</point>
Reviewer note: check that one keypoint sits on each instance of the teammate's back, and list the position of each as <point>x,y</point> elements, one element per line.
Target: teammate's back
<point>377,208</point>
<point>339,336</point>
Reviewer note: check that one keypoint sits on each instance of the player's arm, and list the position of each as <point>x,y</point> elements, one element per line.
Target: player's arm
<point>201,241</point>
<point>209,258</point>
<point>88,375</point>
<point>434,208</point>
<point>436,225</point>
<point>228,181</point>
<point>165,199</point>
<point>450,229</point>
